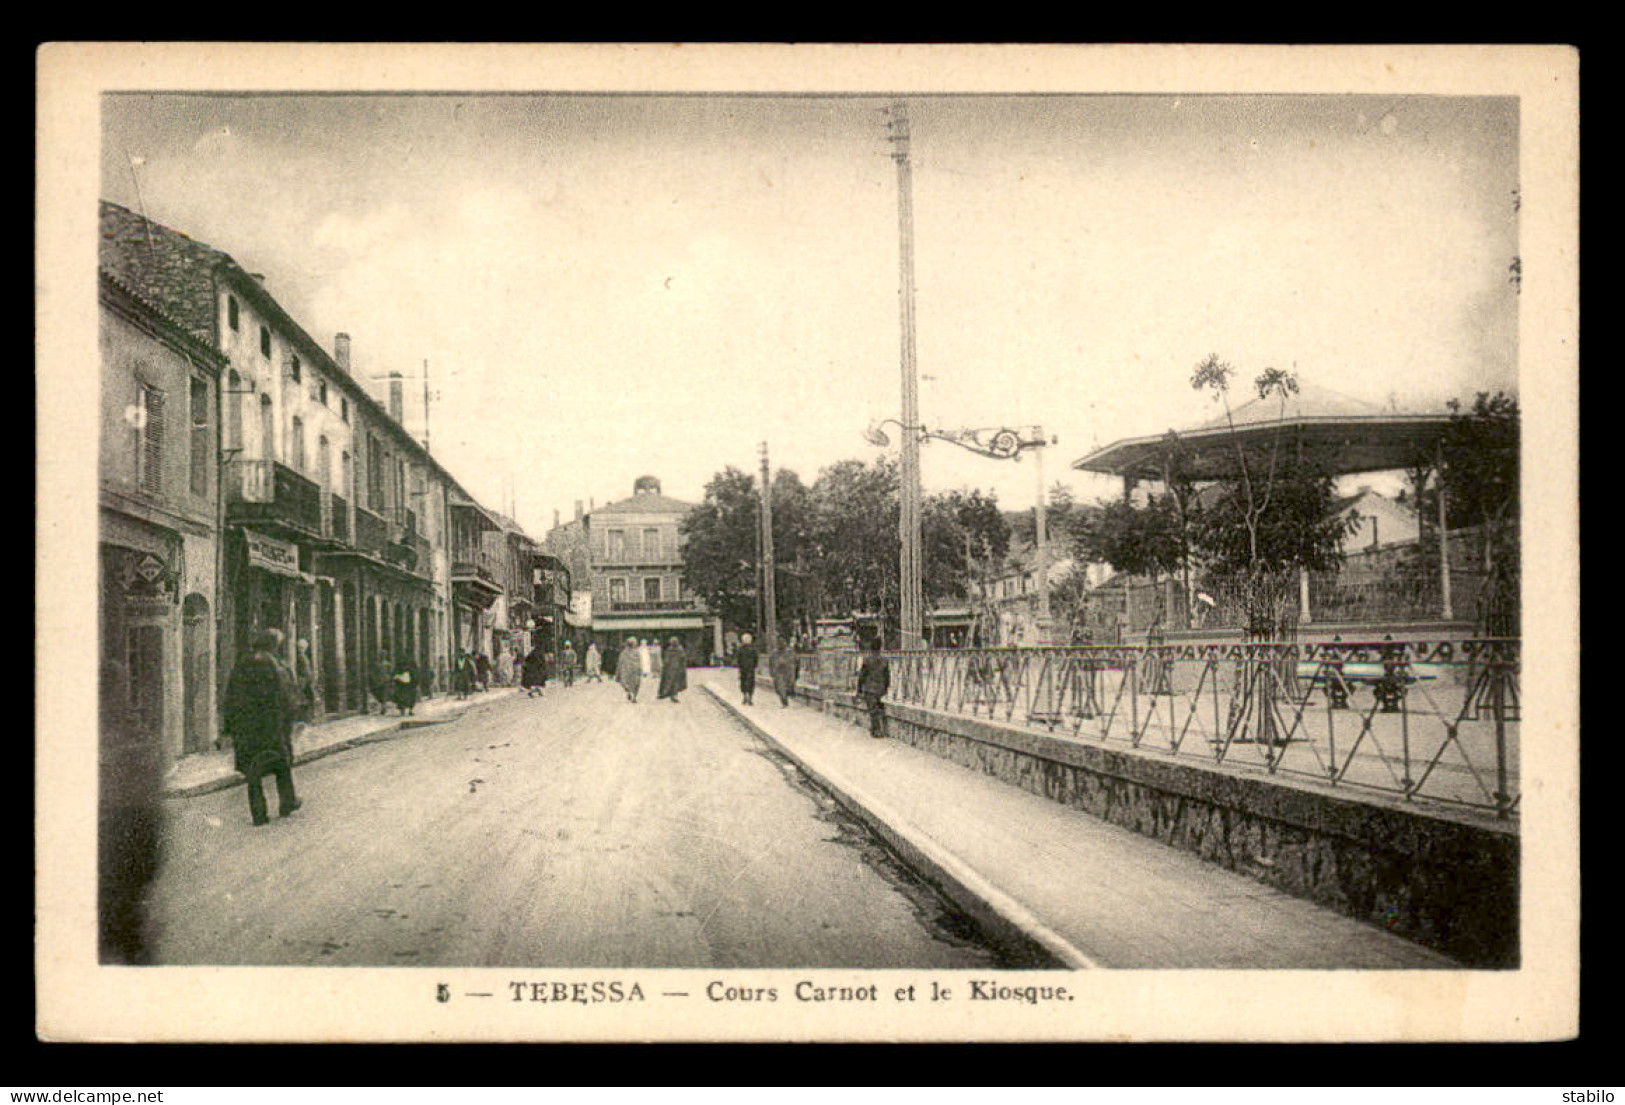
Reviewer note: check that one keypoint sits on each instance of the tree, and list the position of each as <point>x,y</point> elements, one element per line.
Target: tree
<point>959,531</point>
<point>1481,469</point>
<point>854,540</point>
<point>719,548</point>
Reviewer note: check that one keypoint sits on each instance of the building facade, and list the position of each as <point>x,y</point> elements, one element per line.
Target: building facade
<point>636,556</point>
<point>159,524</point>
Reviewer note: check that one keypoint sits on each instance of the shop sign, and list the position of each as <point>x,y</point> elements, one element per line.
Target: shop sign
<point>281,557</point>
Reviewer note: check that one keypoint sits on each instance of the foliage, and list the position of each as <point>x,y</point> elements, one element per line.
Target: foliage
<point>1299,528</point>
<point>1481,461</point>
<point>1138,540</point>
<point>719,547</point>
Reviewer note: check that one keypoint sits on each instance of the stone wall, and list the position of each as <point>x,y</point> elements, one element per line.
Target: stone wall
<point>1446,881</point>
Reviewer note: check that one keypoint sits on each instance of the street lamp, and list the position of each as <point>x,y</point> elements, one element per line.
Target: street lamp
<point>999,443</point>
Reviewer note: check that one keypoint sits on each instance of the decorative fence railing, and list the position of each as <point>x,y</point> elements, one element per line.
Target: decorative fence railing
<point>1423,720</point>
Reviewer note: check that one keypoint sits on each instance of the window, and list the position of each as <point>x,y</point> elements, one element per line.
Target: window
<point>617,591</point>
<point>345,476</point>
<point>294,368</point>
<point>265,342</point>
<point>231,311</point>
<point>296,447</point>
<point>375,475</point>
<point>651,589</point>
<point>234,411</point>
<point>651,544</point>
<point>200,436</point>
<point>321,392</point>
<point>617,545</point>
<point>344,408</point>
<point>267,429</point>
<point>149,439</point>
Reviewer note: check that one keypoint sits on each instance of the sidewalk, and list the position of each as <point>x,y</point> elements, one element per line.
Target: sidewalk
<point>204,772</point>
<point>1053,880</point>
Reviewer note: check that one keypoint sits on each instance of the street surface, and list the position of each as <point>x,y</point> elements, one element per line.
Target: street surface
<point>577,830</point>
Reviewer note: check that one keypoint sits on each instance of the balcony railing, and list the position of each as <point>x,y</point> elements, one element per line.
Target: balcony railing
<point>269,491</point>
<point>371,532</point>
<point>477,564</point>
<point>1424,720</point>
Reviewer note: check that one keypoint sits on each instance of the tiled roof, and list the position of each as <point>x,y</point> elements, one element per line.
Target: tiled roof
<point>162,266</point>
<point>650,503</point>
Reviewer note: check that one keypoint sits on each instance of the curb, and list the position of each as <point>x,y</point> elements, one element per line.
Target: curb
<point>1001,917</point>
<point>375,736</point>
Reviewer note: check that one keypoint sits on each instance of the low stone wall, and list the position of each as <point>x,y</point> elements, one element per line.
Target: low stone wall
<point>1445,881</point>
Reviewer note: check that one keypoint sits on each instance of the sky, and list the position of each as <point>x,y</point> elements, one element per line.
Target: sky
<point>608,286</point>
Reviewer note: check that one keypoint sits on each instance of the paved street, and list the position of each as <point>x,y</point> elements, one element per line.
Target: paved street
<point>576,830</point>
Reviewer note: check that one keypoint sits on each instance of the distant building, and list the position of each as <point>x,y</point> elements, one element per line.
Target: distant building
<point>635,550</point>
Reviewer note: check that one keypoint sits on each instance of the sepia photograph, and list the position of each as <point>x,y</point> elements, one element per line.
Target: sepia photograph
<point>808,543</point>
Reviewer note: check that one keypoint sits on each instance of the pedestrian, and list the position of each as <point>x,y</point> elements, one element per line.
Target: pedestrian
<point>874,680</point>
<point>462,677</point>
<point>629,668</point>
<point>534,672</point>
<point>482,670</point>
<point>594,663</point>
<point>304,674</point>
<point>257,714</point>
<point>567,660</point>
<point>405,687</point>
<point>673,670</point>
<point>747,658</point>
<point>785,666</point>
<point>383,679</point>
<point>612,658</point>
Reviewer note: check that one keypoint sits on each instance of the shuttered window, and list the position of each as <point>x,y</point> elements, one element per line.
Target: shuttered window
<point>200,436</point>
<point>149,439</point>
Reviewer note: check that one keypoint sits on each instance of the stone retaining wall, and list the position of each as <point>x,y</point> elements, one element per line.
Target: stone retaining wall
<point>1446,881</point>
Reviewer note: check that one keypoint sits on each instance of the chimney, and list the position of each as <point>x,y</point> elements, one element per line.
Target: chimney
<point>260,276</point>
<point>578,510</point>
<point>397,406</point>
<point>555,519</point>
<point>341,350</point>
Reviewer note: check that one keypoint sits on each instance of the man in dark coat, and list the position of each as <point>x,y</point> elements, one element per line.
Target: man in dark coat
<point>747,658</point>
<point>673,670</point>
<point>874,680</point>
<point>785,666</point>
<point>533,675</point>
<point>258,716</point>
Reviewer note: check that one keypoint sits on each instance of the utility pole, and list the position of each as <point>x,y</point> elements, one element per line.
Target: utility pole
<point>1045,625</point>
<point>425,405</point>
<point>770,618</point>
<point>908,521</point>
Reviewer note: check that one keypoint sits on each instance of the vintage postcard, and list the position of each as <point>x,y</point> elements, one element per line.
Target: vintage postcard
<point>807,543</point>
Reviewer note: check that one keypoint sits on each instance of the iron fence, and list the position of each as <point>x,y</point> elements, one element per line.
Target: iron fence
<point>1435,721</point>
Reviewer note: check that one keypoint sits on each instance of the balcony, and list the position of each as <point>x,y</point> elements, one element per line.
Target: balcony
<point>476,566</point>
<point>269,493</point>
<point>371,532</point>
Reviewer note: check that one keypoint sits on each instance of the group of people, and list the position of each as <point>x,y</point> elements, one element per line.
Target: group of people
<point>784,666</point>
<point>639,660</point>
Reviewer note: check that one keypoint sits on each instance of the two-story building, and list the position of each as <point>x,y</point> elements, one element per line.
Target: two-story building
<point>635,547</point>
<point>159,524</point>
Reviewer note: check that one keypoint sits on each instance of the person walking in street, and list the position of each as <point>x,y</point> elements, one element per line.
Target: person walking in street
<point>673,670</point>
<point>612,659</point>
<point>405,686</point>
<point>874,680</point>
<point>594,664</point>
<point>462,677</point>
<point>567,669</point>
<point>629,669</point>
<point>304,675</point>
<point>747,658</point>
<point>482,670</point>
<point>785,667</point>
<point>257,714</point>
<point>534,672</point>
<point>383,674</point>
